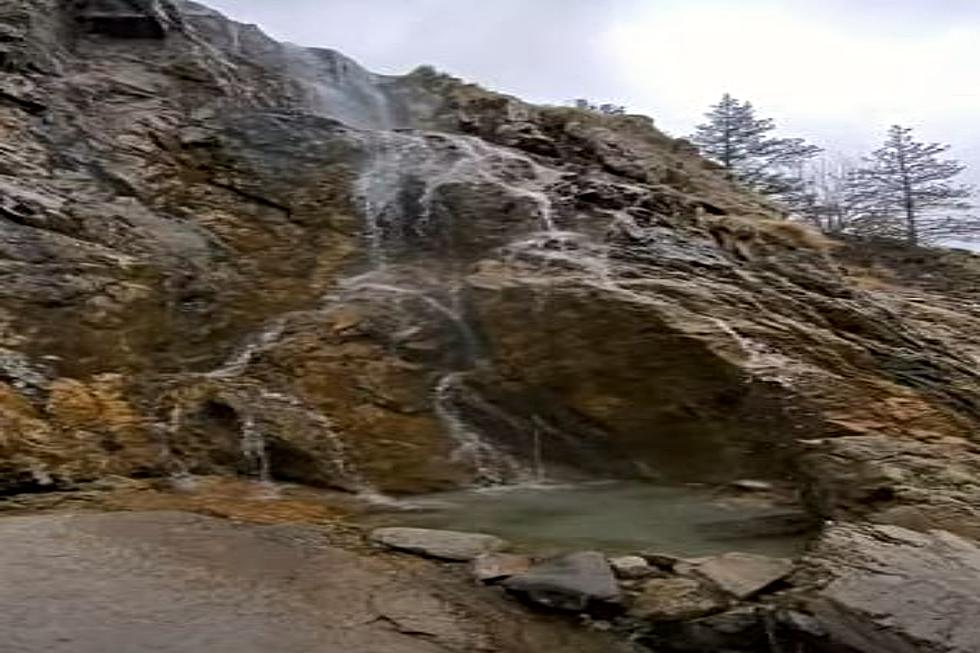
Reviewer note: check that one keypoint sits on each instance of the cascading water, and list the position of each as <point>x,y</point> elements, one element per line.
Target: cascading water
<point>338,454</point>
<point>338,87</point>
<point>452,313</point>
<point>493,465</point>
<point>432,163</point>
<point>402,191</point>
<point>238,362</point>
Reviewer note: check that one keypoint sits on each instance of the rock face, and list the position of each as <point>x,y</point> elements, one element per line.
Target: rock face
<point>446,545</point>
<point>569,582</point>
<point>226,255</point>
<point>891,590</point>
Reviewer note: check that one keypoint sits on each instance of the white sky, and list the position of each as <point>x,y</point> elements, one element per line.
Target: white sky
<point>837,72</point>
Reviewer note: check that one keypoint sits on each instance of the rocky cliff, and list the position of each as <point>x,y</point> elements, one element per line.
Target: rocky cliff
<point>222,254</point>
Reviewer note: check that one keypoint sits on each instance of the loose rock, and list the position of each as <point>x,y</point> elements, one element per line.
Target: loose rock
<point>672,599</point>
<point>743,574</point>
<point>663,561</point>
<point>569,582</point>
<point>493,567</point>
<point>445,545</point>
<point>631,567</point>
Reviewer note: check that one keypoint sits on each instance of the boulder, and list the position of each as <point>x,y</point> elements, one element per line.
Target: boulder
<point>672,599</point>
<point>493,567</point>
<point>570,582</point>
<point>445,545</point>
<point>892,590</point>
<point>631,567</point>
<point>743,574</point>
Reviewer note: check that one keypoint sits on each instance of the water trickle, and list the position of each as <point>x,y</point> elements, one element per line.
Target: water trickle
<point>170,429</point>
<point>339,456</point>
<point>761,360</point>
<point>493,465</point>
<point>253,449</point>
<point>370,284</point>
<point>238,362</point>
<point>402,186</point>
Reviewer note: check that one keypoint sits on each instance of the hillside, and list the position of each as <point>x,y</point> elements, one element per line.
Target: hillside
<point>223,255</point>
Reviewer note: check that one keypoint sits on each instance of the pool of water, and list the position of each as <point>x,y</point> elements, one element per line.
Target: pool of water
<point>611,517</point>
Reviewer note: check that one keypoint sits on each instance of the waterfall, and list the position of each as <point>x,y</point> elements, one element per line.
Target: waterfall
<point>402,191</point>
<point>338,87</point>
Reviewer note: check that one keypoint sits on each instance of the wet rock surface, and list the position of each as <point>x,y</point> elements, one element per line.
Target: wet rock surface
<point>175,582</point>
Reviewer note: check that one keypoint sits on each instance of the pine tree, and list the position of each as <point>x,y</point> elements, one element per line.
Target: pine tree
<point>906,191</point>
<point>738,140</point>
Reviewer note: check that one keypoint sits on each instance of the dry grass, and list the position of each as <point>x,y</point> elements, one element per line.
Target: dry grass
<point>796,234</point>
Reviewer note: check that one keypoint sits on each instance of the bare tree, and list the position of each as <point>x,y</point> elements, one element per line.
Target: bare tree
<point>905,191</point>
<point>738,140</point>
<point>828,201</point>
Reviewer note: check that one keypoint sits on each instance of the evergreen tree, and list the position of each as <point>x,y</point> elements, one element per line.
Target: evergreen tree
<point>741,142</point>
<point>906,191</point>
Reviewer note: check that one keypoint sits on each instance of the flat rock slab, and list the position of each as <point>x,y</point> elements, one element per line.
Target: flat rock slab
<point>743,574</point>
<point>568,582</point>
<point>894,590</point>
<point>445,545</point>
<point>169,582</point>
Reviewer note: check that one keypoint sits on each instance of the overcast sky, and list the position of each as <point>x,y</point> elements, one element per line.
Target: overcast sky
<point>837,72</point>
